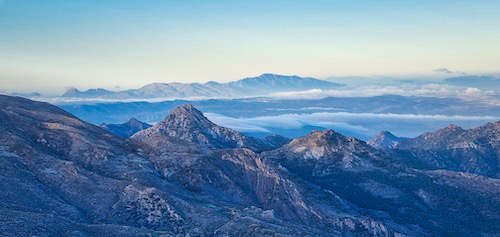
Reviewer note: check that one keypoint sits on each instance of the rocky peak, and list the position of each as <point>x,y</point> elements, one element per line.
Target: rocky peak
<point>187,112</point>
<point>190,125</point>
<point>323,139</point>
<point>434,140</point>
<point>71,91</point>
<point>385,140</point>
<point>452,128</point>
<point>322,152</point>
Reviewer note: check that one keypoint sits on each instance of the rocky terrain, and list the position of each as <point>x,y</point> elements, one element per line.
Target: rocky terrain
<point>385,140</point>
<point>126,129</point>
<point>188,124</point>
<point>475,150</point>
<point>186,176</point>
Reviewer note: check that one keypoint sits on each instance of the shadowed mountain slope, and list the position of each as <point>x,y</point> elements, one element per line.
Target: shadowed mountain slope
<point>126,129</point>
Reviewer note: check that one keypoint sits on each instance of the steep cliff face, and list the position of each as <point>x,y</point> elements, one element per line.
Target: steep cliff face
<point>475,150</point>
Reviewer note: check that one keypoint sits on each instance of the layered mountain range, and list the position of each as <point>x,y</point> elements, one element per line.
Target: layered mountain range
<point>251,86</point>
<point>190,177</point>
<point>483,82</point>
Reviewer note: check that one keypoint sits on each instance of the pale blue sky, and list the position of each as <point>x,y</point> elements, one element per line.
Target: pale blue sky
<point>47,45</point>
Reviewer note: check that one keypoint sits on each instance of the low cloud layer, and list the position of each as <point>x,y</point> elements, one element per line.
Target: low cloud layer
<point>430,90</point>
<point>363,124</point>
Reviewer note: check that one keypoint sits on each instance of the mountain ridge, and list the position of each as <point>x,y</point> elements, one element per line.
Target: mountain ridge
<point>251,86</point>
<point>126,129</point>
<point>385,140</point>
<point>475,150</point>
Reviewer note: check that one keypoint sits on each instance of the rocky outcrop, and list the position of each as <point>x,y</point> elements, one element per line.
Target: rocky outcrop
<point>323,152</point>
<point>188,124</point>
<point>385,140</point>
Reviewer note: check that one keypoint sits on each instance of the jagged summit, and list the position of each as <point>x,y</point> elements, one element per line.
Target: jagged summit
<point>385,140</point>
<point>324,140</point>
<point>190,125</point>
<point>185,119</point>
<point>451,128</point>
<point>187,113</point>
<point>434,140</point>
<point>323,151</point>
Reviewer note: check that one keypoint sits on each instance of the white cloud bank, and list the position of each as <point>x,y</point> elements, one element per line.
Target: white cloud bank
<point>361,123</point>
<point>429,90</point>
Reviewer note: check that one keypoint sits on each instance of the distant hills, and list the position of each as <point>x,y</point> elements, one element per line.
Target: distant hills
<point>252,86</point>
<point>483,82</point>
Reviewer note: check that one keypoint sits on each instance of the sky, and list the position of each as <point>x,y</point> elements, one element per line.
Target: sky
<point>116,44</point>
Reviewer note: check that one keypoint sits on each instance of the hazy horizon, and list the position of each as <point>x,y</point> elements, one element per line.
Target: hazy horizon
<point>48,46</point>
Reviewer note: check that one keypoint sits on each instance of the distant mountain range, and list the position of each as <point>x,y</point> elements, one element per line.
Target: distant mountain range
<point>186,176</point>
<point>253,86</point>
<point>482,82</point>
